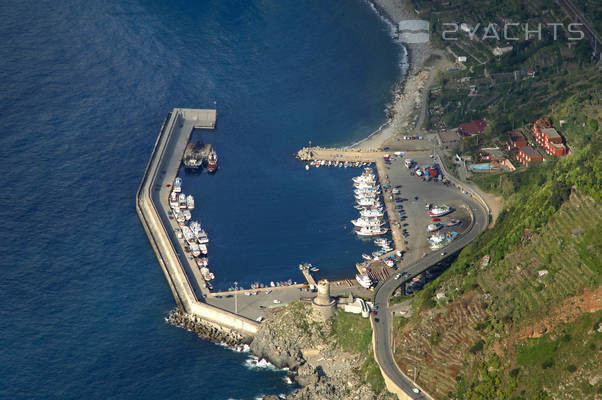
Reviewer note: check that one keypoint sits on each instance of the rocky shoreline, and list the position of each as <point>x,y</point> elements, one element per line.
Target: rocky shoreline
<point>319,366</point>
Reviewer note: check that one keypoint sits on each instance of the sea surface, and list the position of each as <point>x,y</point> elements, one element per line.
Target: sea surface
<point>85,88</point>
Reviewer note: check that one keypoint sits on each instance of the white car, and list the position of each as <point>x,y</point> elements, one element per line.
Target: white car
<point>416,390</point>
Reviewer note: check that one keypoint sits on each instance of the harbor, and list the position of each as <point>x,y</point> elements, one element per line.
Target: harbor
<point>171,216</point>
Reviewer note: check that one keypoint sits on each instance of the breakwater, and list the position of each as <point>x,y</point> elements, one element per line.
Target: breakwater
<point>184,279</point>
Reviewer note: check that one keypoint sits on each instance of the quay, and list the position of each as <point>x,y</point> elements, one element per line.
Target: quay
<point>182,274</point>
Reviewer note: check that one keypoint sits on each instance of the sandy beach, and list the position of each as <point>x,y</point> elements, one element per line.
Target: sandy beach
<point>408,107</point>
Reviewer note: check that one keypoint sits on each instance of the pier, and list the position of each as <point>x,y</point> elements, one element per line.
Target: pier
<point>182,274</point>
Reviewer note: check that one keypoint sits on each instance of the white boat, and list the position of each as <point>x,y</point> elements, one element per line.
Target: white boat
<point>180,218</point>
<point>190,202</point>
<point>434,227</point>
<point>371,213</point>
<point>173,199</point>
<point>438,211</point>
<point>177,185</point>
<point>202,237</point>
<point>364,281</point>
<point>366,257</point>
<point>369,202</point>
<point>314,269</point>
<point>195,227</point>
<point>188,235</point>
<point>203,248</point>
<point>364,185</point>
<point>187,214</point>
<point>306,167</point>
<point>440,240</point>
<point>182,200</point>
<point>382,242</point>
<point>371,231</point>
<point>371,198</point>
<point>364,193</point>
<point>371,180</point>
<point>367,222</point>
<point>194,248</point>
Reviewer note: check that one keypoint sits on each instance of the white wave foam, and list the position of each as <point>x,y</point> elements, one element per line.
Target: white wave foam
<point>254,362</point>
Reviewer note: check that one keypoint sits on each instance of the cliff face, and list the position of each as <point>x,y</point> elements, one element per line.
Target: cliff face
<point>324,369</point>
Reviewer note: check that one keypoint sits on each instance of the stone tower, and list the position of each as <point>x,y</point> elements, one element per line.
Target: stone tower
<point>324,308</point>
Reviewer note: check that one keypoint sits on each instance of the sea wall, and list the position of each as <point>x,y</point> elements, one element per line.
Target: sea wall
<point>172,138</point>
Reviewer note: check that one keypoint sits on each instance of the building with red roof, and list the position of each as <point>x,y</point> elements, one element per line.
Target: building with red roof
<point>548,138</point>
<point>472,128</point>
<point>528,156</point>
<point>516,141</point>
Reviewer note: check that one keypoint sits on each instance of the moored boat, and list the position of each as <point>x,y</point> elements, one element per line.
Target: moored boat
<point>212,161</point>
<point>177,185</point>
<point>182,200</point>
<point>371,231</point>
<point>190,202</point>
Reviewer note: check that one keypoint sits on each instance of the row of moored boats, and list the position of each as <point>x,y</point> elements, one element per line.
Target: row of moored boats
<point>191,232</point>
<point>367,197</point>
<point>336,164</point>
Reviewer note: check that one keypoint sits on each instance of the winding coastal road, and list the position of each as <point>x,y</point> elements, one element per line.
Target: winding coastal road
<point>383,292</point>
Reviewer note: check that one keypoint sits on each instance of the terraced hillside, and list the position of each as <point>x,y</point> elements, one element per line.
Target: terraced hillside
<point>492,309</point>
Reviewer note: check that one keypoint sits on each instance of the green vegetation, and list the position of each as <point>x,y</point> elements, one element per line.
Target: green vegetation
<point>353,333</point>
<point>562,356</point>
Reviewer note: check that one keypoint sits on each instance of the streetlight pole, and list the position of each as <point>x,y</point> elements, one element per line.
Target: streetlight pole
<point>235,297</point>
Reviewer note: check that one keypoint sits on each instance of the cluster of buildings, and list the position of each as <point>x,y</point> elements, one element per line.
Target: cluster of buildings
<point>545,135</point>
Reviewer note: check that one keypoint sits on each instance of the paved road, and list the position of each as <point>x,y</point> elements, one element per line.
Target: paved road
<point>382,328</point>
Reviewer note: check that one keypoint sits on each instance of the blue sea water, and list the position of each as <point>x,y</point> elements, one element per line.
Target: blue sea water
<point>85,87</point>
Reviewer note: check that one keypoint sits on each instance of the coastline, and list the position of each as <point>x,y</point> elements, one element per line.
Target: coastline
<point>409,93</point>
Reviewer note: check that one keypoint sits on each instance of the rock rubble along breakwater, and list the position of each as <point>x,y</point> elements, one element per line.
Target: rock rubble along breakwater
<point>205,329</point>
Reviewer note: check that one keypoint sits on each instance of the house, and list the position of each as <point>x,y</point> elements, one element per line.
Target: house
<point>448,138</point>
<point>516,141</point>
<point>493,155</point>
<point>528,156</point>
<point>472,128</point>
<point>548,138</point>
<point>530,73</point>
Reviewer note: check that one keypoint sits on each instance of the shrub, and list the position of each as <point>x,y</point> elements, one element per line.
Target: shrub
<point>478,346</point>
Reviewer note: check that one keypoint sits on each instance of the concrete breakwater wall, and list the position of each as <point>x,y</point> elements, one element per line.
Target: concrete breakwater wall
<point>161,169</point>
